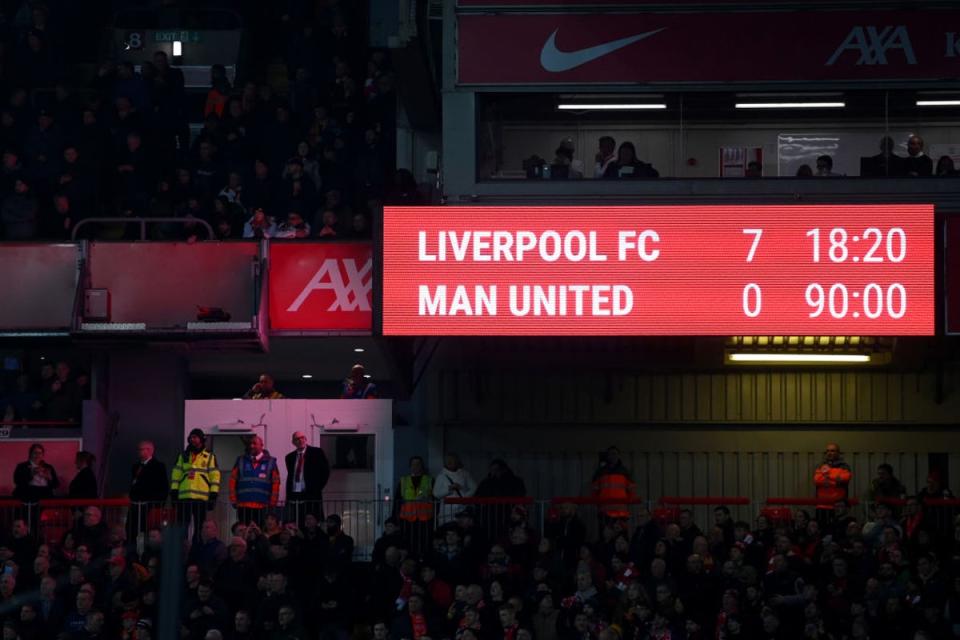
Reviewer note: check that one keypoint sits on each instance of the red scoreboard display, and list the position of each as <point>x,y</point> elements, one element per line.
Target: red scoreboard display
<point>659,270</point>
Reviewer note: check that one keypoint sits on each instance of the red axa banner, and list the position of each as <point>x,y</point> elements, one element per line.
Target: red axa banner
<point>952,274</point>
<point>611,48</point>
<point>321,286</point>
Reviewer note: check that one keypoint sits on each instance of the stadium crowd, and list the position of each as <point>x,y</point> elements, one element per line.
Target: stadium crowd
<point>491,571</point>
<point>315,162</point>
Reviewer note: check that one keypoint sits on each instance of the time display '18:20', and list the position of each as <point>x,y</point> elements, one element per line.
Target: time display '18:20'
<point>872,246</point>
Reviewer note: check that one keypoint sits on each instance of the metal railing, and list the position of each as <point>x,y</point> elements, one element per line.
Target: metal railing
<point>143,222</point>
<point>496,518</point>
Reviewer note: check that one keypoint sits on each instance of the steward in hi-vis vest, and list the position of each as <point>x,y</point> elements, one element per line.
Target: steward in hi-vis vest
<point>612,481</point>
<point>416,494</point>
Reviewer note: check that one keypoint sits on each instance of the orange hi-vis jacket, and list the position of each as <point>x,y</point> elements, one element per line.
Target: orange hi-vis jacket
<point>611,485</point>
<point>831,481</point>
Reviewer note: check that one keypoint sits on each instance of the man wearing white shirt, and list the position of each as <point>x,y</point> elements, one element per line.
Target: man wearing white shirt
<point>453,481</point>
<point>307,475</point>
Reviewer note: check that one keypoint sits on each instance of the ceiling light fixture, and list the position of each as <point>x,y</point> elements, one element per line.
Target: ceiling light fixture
<point>790,105</point>
<point>799,358</point>
<point>627,106</point>
<point>307,376</point>
<point>358,349</point>
<point>938,103</point>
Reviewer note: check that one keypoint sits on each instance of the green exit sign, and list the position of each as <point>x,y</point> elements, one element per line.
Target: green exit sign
<point>171,36</point>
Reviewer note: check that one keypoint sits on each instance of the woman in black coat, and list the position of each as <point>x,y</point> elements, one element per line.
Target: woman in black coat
<point>84,484</point>
<point>34,479</point>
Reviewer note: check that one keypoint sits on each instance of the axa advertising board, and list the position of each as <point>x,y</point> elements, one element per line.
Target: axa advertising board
<point>325,287</point>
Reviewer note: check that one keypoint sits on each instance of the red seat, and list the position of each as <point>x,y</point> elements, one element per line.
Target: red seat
<point>666,515</point>
<point>777,515</point>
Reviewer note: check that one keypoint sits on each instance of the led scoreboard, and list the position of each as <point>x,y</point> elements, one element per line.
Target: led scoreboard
<point>659,270</point>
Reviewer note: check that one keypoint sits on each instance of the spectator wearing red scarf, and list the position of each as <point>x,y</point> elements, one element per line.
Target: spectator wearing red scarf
<point>413,623</point>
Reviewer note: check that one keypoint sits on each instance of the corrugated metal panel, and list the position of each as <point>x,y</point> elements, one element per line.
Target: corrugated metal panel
<point>732,397</point>
<point>753,463</point>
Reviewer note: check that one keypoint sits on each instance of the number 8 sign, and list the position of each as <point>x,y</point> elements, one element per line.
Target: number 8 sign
<point>133,41</point>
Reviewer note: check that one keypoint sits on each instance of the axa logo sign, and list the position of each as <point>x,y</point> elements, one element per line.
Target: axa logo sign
<point>876,45</point>
<point>321,286</point>
<point>350,286</point>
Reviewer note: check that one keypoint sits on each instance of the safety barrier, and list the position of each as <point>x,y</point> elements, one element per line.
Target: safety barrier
<point>363,520</point>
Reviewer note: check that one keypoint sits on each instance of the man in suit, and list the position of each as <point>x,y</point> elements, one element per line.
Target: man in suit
<point>307,475</point>
<point>149,484</point>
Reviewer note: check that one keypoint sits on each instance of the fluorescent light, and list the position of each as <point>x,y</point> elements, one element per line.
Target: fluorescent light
<point>367,376</point>
<point>938,103</point>
<point>358,350</point>
<point>800,358</point>
<point>177,48</point>
<point>611,106</point>
<point>307,376</point>
<point>790,105</point>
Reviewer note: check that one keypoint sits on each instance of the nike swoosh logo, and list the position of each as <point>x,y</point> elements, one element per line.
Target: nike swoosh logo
<point>555,61</point>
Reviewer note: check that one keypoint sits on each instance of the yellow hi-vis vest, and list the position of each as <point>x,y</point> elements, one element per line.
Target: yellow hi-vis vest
<point>417,502</point>
<point>196,477</point>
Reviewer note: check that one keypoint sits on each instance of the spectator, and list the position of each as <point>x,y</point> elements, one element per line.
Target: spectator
<point>884,164</point>
<point>453,481</point>
<point>195,481</point>
<point>254,483</point>
<point>92,532</point>
<point>564,165</point>
<point>501,482</point>
<point>219,91</point>
<point>307,474</point>
<point>84,483</point>
<point>611,481</point>
<point>328,225</point>
<point>19,212</point>
<point>149,476</point>
<point>210,553</point>
<point>628,166</point>
<point>288,628</point>
<point>34,479</point>
<point>946,167</point>
<point>605,156</point>
<point>259,225</point>
<point>263,389</point>
<point>295,227</point>
<point>831,478</point>
<point>205,612</point>
<point>886,485</point>
<point>825,167</point>
<point>358,385</point>
<point>917,163</point>
<point>340,550</point>
<point>934,488</point>
<point>61,395</point>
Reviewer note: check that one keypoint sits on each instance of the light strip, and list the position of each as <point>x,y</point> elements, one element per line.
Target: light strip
<point>800,358</point>
<point>611,107</point>
<point>790,105</point>
<point>938,103</point>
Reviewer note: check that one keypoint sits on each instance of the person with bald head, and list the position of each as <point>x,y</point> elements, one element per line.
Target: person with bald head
<point>254,483</point>
<point>832,479</point>
<point>307,475</point>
